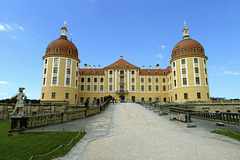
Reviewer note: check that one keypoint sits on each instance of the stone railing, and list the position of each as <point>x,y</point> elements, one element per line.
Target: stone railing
<point>19,124</point>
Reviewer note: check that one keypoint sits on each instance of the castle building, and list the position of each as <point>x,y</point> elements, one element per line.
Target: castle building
<point>185,79</point>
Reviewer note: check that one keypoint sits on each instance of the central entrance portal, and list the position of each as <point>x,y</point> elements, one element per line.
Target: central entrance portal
<point>122,98</point>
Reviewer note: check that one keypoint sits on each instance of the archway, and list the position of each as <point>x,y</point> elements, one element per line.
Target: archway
<point>122,97</point>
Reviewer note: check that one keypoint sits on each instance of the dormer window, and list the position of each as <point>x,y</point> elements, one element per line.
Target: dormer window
<point>194,50</point>
<point>164,72</point>
<point>69,51</point>
<point>57,50</point>
<point>47,51</point>
<point>182,51</point>
<point>199,45</point>
<point>155,72</point>
<point>148,72</point>
<point>52,44</point>
<point>173,54</point>
<point>116,65</point>
<point>177,47</point>
<point>126,65</point>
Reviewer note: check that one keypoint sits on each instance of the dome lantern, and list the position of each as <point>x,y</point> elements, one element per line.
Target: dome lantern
<point>185,32</point>
<point>64,31</point>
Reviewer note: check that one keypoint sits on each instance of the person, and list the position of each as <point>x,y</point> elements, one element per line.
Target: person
<point>113,100</point>
<point>119,100</point>
<point>19,107</point>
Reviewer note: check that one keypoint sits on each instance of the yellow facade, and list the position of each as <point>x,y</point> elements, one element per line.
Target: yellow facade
<point>185,79</point>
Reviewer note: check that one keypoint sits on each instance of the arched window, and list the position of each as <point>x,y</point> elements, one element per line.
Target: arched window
<point>194,50</point>
<point>57,50</point>
<point>69,51</point>
<point>182,51</point>
<point>122,72</point>
<point>173,54</point>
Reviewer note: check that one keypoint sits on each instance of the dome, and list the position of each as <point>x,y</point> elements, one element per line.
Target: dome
<point>187,47</point>
<point>62,46</point>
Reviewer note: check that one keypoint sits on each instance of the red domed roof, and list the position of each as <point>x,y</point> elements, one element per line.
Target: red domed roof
<point>187,47</point>
<point>62,46</point>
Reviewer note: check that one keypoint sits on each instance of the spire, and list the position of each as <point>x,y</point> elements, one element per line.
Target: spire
<point>185,31</point>
<point>64,31</point>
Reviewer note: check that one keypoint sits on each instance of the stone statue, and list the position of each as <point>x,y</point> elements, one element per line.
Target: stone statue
<point>19,107</point>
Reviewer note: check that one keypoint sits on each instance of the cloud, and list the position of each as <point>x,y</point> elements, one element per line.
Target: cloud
<point>162,47</point>
<point>13,37</point>
<point>159,56</point>
<point>3,82</point>
<point>231,73</point>
<point>7,27</point>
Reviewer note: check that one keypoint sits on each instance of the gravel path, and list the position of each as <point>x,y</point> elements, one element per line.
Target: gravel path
<point>141,135</point>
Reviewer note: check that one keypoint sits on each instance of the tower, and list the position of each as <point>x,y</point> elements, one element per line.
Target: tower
<point>189,70</point>
<point>60,70</point>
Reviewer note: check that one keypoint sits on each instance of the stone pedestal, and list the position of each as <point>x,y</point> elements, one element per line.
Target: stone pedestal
<point>18,125</point>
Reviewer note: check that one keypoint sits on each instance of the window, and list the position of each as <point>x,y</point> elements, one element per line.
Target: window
<point>101,79</point>
<point>55,69</point>
<point>82,79</point>
<point>196,70</point>
<point>110,72</point>
<point>199,95</point>
<point>66,95</point>
<point>76,83</point>
<point>142,99</point>
<point>76,73</point>
<point>54,80</point>
<point>170,86</point>
<point>95,79</point>
<point>55,60</point>
<point>89,79</point>
<point>142,88</point>
<point>149,88</point>
<point>183,61</point>
<point>197,80</point>
<point>69,61</point>
<point>101,87</point>
<point>82,87</point>
<point>157,88</point>
<point>122,72</point>
<point>44,80</point>
<point>142,80</point>
<point>206,81</point>
<point>95,87</point>
<point>207,95</point>
<point>194,50</point>
<point>67,81</point>
<point>133,88</point>
<point>122,79</point>
<point>110,79</point>
<point>45,70</point>
<point>149,80</point>
<point>45,61</point>
<point>133,80</point>
<point>53,94</point>
<point>173,64</point>
<point>204,61</point>
<point>69,51</point>
<point>184,81</point>
<point>175,96</point>
<point>57,50</point>
<point>205,71</point>
<point>150,99</point>
<point>182,51</point>
<point>121,88</point>
<point>42,95</point>
<point>175,83</point>
<point>195,60</point>
<point>173,54</point>
<point>132,72</point>
<point>164,88</point>
<point>184,71</point>
<point>88,88</point>
<point>174,73</point>
<point>156,80</point>
<point>68,71</point>
<point>110,87</point>
<point>186,96</point>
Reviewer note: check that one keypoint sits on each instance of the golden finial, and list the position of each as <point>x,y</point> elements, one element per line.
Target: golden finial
<point>71,37</point>
<point>65,23</point>
<point>185,23</point>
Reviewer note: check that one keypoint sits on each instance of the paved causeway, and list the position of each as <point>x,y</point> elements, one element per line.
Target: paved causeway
<point>142,135</point>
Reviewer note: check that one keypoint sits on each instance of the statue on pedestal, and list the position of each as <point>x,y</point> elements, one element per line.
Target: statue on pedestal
<point>19,107</point>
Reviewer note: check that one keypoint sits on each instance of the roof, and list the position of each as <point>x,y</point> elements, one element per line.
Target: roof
<point>91,71</point>
<point>155,71</point>
<point>121,63</point>
<point>63,45</point>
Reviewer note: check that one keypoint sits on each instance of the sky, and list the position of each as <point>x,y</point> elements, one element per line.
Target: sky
<point>144,32</point>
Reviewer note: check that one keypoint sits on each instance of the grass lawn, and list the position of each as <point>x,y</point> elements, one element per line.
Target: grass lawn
<point>23,146</point>
<point>232,133</point>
